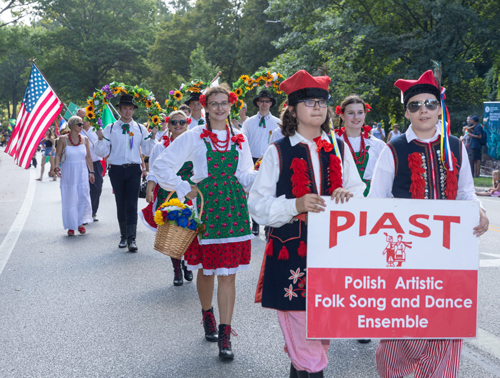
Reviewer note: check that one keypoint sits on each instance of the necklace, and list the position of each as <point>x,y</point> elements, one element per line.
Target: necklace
<point>79,140</point>
<point>362,156</point>
<point>218,145</point>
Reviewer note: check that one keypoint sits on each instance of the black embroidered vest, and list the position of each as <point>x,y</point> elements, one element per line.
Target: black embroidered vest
<point>284,281</point>
<point>435,172</point>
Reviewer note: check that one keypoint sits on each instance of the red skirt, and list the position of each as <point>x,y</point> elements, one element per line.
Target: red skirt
<point>219,259</point>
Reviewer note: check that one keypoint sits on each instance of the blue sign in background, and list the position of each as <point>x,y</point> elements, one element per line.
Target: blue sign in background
<point>491,124</point>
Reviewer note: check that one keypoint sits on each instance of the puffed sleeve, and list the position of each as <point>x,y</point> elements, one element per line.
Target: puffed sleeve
<point>152,158</point>
<point>383,175</point>
<point>350,176</point>
<point>168,163</point>
<point>245,172</point>
<point>147,144</point>
<point>102,147</point>
<point>264,206</point>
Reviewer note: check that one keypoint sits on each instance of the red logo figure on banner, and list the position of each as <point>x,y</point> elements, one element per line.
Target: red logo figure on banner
<point>396,251</point>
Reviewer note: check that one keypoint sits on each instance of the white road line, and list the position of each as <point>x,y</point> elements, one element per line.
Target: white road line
<point>487,342</point>
<point>489,254</point>
<point>10,240</point>
<point>489,263</point>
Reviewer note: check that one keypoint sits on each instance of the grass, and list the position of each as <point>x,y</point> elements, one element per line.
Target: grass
<point>482,181</point>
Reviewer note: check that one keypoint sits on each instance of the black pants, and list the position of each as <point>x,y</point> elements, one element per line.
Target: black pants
<point>96,187</point>
<point>126,183</point>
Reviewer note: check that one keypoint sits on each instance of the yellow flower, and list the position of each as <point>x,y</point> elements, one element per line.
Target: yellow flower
<point>238,92</point>
<point>178,95</point>
<point>156,119</point>
<point>124,91</point>
<point>174,202</point>
<point>279,92</point>
<point>90,102</point>
<point>175,108</point>
<point>159,218</point>
<point>90,115</point>
<point>93,96</point>
<point>131,134</point>
<point>136,95</point>
<point>240,104</point>
<point>89,108</point>
<point>248,88</point>
<point>149,103</point>
<point>116,90</point>
<point>194,89</point>
<point>245,77</point>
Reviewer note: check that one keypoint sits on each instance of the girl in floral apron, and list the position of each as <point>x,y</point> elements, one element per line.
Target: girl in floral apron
<point>177,123</point>
<point>223,171</point>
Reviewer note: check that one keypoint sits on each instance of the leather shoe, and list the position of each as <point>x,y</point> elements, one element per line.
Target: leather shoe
<point>255,229</point>
<point>123,235</point>
<point>225,351</point>
<point>210,325</point>
<point>188,275</point>
<point>177,272</point>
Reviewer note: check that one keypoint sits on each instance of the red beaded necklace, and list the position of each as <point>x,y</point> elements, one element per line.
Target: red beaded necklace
<point>218,145</point>
<point>79,140</point>
<point>362,156</point>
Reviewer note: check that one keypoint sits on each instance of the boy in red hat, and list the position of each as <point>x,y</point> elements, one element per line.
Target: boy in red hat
<point>394,177</point>
<point>295,172</point>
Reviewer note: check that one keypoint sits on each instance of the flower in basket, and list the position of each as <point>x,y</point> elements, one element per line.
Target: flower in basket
<point>182,222</point>
<point>159,220</point>
<point>173,215</point>
<point>187,212</point>
<point>192,225</point>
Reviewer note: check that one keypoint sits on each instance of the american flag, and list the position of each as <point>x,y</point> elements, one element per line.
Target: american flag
<point>39,109</point>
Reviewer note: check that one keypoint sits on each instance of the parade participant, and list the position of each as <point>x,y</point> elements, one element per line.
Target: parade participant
<point>365,149</point>
<point>96,186</point>
<point>123,141</point>
<point>395,176</point>
<point>76,173</point>
<point>196,116</point>
<point>295,172</point>
<point>184,108</point>
<point>48,144</point>
<point>238,123</point>
<point>258,129</point>
<point>176,124</point>
<point>394,132</point>
<point>378,132</point>
<point>163,130</point>
<point>223,171</point>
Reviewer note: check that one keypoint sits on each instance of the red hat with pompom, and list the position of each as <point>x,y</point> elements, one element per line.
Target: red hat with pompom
<point>301,86</point>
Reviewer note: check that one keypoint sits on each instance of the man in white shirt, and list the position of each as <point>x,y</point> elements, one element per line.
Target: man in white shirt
<point>123,141</point>
<point>96,187</point>
<point>196,116</point>
<point>258,130</point>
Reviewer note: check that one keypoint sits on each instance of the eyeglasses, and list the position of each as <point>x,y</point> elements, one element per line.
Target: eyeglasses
<point>264,101</point>
<point>80,124</point>
<point>312,103</point>
<point>415,106</point>
<point>215,105</point>
<point>182,122</point>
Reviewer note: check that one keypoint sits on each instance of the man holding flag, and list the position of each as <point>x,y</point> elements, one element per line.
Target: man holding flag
<point>39,108</point>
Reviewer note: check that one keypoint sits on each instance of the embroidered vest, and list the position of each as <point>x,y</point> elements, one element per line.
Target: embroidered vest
<point>434,174</point>
<point>284,280</point>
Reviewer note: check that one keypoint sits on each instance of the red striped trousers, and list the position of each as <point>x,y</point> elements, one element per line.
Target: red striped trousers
<point>426,358</point>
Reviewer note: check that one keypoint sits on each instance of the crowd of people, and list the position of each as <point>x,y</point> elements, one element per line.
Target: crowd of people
<point>246,170</point>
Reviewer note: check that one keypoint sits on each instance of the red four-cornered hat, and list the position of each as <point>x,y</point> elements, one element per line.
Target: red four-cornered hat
<point>301,86</point>
<point>426,83</point>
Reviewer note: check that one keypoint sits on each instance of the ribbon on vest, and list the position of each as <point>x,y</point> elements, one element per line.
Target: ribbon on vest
<point>327,146</point>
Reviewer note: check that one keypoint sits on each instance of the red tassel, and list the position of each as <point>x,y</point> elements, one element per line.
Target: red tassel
<point>417,187</point>
<point>269,248</point>
<point>451,180</point>
<point>302,249</point>
<point>300,178</point>
<point>283,254</point>
<point>335,172</point>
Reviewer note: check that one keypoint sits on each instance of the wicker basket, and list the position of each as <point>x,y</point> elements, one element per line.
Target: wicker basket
<point>172,240</point>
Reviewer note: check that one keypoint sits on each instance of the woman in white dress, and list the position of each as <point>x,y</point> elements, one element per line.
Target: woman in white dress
<point>77,171</point>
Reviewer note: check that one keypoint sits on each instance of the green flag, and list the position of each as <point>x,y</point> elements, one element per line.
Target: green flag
<point>107,117</point>
<point>73,108</point>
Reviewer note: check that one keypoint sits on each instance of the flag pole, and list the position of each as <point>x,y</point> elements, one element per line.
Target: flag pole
<point>32,60</point>
<point>216,77</point>
<point>112,107</point>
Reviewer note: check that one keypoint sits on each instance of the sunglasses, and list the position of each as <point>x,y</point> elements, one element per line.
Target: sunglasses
<point>80,124</point>
<point>415,106</point>
<point>182,122</point>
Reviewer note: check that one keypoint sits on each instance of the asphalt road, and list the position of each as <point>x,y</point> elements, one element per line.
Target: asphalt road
<point>82,307</point>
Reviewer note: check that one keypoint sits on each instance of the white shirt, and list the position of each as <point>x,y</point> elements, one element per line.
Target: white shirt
<point>277,135</point>
<point>194,122</point>
<point>159,136</point>
<point>155,152</point>
<point>383,176</point>
<point>376,147</point>
<point>258,136</point>
<point>269,210</point>
<point>93,138</point>
<point>117,145</point>
<point>190,147</point>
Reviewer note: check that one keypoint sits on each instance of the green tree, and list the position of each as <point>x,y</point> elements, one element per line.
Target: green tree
<point>200,68</point>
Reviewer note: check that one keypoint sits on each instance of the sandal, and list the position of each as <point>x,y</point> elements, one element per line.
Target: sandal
<point>82,230</point>
<point>71,232</point>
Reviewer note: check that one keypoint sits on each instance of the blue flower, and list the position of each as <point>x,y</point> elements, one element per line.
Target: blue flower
<point>187,212</point>
<point>182,222</point>
<point>173,215</point>
<point>192,225</point>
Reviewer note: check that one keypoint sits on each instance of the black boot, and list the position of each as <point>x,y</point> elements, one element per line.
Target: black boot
<point>319,374</point>
<point>131,230</point>
<point>188,275</point>
<point>225,352</point>
<point>302,374</point>
<point>364,341</point>
<point>293,371</point>
<point>210,325</point>
<point>123,235</point>
<point>177,272</point>
<point>255,228</point>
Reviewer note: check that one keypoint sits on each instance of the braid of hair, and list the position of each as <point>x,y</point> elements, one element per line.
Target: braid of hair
<point>207,120</point>
<point>230,125</point>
